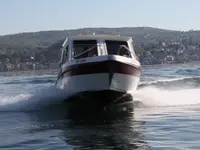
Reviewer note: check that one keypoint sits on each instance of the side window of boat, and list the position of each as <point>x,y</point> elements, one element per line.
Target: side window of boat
<point>84,48</point>
<point>65,55</point>
<point>118,48</point>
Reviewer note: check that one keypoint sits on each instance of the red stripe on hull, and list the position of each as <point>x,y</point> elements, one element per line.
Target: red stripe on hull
<point>101,67</point>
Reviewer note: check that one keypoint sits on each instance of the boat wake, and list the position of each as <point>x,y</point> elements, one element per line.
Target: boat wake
<point>152,96</point>
<point>171,92</point>
<point>32,101</point>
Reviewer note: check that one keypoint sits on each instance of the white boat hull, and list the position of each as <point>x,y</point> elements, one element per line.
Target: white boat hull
<point>99,82</point>
<point>100,70</point>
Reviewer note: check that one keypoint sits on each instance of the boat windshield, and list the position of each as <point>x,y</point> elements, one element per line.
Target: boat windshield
<point>118,48</point>
<point>84,48</point>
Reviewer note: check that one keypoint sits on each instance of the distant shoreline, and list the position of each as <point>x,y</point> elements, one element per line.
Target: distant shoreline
<point>54,71</point>
<point>153,46</point>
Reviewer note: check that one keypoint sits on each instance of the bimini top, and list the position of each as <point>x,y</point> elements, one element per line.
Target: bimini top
<point>100,36</point>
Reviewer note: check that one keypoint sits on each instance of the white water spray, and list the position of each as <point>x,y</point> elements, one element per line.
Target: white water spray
<point>152,96</point>
<point>26,102</point>
<point>149,96</point>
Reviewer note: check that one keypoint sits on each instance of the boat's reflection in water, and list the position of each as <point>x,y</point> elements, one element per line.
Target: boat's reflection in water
<point>94,130</point>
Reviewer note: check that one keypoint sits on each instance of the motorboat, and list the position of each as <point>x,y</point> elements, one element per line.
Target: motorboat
<point>98,70</point>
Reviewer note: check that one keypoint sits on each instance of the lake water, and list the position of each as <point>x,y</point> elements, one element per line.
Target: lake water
<point>168,119</point>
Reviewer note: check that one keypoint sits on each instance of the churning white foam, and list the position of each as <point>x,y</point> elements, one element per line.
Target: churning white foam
<point>28,101</point>
<point>152,96</point>
<point>149,96</point>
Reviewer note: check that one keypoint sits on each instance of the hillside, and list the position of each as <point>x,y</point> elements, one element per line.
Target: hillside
<point>46,38</point>
<point>153,45</point>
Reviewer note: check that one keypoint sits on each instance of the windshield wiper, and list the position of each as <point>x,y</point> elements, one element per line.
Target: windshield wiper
<point>124,46</point>
<point>89,49</point>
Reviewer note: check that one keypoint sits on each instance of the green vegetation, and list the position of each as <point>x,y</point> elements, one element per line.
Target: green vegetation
<point>151,44</point>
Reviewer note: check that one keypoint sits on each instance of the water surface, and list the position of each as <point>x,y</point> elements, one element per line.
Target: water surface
<point>168,119</point>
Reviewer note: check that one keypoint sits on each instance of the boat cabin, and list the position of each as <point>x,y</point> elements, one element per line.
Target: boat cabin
<point>83,46</point>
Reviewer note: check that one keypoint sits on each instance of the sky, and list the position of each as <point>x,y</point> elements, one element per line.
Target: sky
<point>18,16</point>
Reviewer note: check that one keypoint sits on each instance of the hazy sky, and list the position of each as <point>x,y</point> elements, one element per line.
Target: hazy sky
<point>36,15</point>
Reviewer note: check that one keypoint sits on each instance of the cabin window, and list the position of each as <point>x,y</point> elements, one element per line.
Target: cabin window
<point>65,55</point>
<point>84,48</point>
<point>118,48</point>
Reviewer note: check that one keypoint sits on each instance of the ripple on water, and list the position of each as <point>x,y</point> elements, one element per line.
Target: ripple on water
<point>168,120</point>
